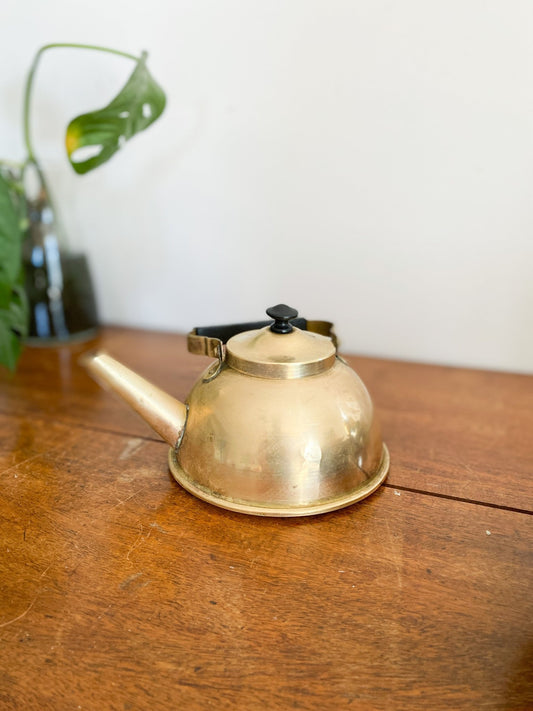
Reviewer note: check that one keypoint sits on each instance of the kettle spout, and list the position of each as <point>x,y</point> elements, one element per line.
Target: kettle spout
<point>162,412</point>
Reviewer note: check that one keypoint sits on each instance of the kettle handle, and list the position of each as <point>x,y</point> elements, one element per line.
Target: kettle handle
<point>224,333</point>
<point>208,340</point>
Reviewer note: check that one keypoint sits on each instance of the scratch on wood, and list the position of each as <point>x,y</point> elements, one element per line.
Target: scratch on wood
<point>125,583</point>
<point>45,571</point>
<point>120,501</point>
<point>19,464</point>
<point>32,603</point>
<point>471,472</point>
<point>19,617</point>
<point>155,525</point>
<point>140,539</point>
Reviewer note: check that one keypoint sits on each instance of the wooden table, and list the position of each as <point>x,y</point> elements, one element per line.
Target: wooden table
<point>119,590</point>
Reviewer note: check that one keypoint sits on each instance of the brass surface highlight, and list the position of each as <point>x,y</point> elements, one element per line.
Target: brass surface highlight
<point>265,354</point>
<point>264,509</point>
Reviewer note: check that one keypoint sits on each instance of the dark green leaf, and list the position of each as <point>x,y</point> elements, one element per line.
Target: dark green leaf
<point>13,301</point>
<point>13,326</point>
<point>10,347</point>
<point>5,295</point>
<point>94,137</point>
<point>10,236</point>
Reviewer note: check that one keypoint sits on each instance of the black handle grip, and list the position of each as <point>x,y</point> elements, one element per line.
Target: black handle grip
<point>224,333</point>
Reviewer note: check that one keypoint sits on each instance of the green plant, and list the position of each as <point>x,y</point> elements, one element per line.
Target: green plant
<point>91,139</point>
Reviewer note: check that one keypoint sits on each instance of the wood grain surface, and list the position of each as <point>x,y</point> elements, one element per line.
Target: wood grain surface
<point>118,590</point>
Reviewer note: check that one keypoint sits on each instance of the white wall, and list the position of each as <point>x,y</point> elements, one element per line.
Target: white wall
<point>366,161</point>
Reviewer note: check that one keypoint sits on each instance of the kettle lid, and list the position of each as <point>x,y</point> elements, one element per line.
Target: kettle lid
<point>280,350</point>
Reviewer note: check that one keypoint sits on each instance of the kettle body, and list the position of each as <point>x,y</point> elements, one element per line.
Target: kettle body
<point>280,448</point>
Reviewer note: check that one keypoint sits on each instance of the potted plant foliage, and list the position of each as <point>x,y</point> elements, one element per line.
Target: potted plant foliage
<point>45,290</point>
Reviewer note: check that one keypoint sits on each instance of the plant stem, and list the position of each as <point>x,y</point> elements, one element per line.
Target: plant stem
<point>29,83</point>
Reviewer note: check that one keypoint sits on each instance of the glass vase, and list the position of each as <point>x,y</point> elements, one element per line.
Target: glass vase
<point>57,279</point>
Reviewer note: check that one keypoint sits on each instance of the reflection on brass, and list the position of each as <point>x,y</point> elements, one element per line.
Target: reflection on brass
<point>265,508</point>
<point>280,356</point>
<point>279,426</point>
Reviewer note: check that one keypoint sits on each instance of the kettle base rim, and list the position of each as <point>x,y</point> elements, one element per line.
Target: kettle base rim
<point>258,509</point>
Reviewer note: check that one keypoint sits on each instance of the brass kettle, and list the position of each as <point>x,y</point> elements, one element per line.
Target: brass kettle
<point>278,425</point>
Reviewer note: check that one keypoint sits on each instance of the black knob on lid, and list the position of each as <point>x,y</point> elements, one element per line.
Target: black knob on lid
<point>281,314</point>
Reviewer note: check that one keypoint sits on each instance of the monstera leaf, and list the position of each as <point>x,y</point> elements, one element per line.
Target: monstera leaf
<point>94,137</point>
<point>13,301</point>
